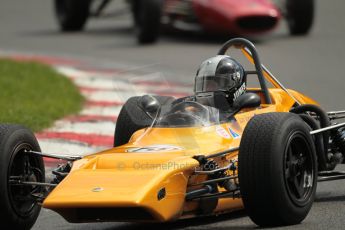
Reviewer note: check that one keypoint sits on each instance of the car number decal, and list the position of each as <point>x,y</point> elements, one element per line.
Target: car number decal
<point>155,148</point>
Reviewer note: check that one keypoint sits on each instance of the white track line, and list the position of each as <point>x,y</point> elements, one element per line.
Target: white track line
<point>101,128</point>
<point>67,148</point>
<point>111,96</point>
<point>99,110</point>
<point>101,87</point>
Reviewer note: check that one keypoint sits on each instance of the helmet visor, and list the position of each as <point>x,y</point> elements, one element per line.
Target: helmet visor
<point>214,83</point>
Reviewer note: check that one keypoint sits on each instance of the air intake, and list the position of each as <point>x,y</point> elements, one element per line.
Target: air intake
<point>257,23</point>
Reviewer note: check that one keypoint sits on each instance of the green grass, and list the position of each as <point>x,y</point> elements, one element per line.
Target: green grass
<point>35,95</point>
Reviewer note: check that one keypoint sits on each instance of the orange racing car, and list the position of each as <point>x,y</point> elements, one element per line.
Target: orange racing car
<point>227,147</point>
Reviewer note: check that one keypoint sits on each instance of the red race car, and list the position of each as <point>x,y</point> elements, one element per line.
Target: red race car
<point>237,17</point>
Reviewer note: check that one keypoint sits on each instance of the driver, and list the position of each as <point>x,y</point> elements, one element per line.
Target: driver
<point>219,81</point>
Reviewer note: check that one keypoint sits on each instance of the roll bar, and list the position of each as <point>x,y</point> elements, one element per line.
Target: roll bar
<point>241,43</point>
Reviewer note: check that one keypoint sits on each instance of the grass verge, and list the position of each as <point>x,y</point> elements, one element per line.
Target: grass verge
<point>35,95</point>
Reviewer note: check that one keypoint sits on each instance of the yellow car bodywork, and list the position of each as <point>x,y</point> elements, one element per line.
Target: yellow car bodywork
<point>124,185</point>
<point>106,185</point>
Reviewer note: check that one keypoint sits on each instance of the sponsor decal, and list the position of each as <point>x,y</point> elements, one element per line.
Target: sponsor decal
<point>240,91</point>
<point>97,189</point>
<point>155,148</point>
<point>222,132</point>
<point>234,134</point>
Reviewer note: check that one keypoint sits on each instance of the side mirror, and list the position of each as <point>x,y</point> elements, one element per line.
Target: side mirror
<point>150,105</point>
<point>247,100</point>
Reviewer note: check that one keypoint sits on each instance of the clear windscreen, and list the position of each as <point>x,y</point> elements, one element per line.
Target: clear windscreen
<point>179,123</point>
<point>184,114</point>
<point>187,114</point>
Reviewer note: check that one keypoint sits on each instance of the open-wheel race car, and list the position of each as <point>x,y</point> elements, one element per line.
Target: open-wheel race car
<point>225,148</point>
<point>245,17</point>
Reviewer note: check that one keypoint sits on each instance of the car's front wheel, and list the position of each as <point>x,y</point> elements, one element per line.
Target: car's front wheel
<point>18,201</point>
<point>277,169</point>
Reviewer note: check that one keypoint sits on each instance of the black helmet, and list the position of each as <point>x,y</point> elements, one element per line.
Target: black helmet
<point>221,74</point>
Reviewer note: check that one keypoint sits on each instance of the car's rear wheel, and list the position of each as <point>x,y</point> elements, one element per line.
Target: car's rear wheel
<point>277,169</point>
<point>18,202</point>
<point>72,14</point>
<point>300,16</point>
<point>147,19</point>
<point>132,117</point>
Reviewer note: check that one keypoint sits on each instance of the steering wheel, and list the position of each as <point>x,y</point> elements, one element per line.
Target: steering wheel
<point>180,115</point>
<point>183,105</point>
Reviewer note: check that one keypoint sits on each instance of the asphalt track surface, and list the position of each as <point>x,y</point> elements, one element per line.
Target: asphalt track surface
<point>313,65</point>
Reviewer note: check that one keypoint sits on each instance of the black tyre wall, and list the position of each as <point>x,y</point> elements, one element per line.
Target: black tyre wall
<point>11,136</point>
<point>132,118</point>
<point>72,14</point>
<point>147,18</point>
<point>300,16</point>
<point>261,169</point>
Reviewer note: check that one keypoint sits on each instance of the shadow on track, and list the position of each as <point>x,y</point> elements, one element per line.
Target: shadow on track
<point>330,199</point>
<point>200,223</point>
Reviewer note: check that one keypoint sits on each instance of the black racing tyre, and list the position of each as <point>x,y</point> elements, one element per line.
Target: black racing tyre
<point>132,118</point>
<point>19,208</point>
<point>72,14</point>
<point>147,19</point>
<point>300,16</point>
<point>277,169</point>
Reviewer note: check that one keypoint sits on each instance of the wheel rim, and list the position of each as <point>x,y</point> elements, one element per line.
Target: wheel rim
<point>23,168</point>
<point>299,169</point>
